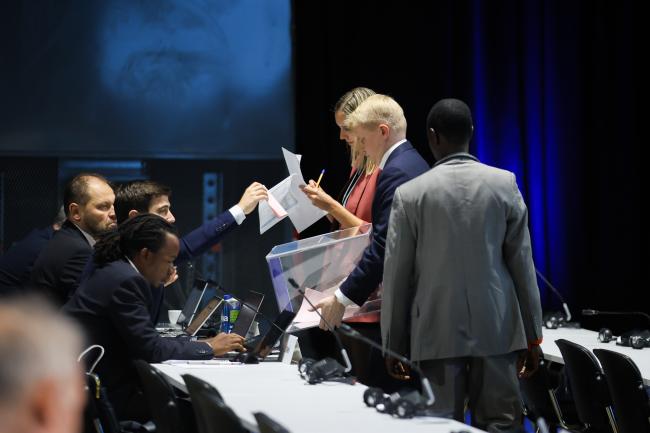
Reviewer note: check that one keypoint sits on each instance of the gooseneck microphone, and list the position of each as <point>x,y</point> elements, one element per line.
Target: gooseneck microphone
<point>557,293</point>
<point>615,313</point>
<point>344,353</point>
<point>426,385</point>
<point>352,333</point>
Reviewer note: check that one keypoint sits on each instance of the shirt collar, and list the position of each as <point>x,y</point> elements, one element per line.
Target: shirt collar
<point>131,263</point>
<point>390,150</point>
<point>456,155</point>
<point>91,240</point>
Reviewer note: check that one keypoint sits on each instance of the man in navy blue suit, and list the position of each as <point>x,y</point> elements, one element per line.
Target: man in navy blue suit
<point>152,197</point>
<point>114,306</point>
<point>380,126</point>
<point>16,264</point>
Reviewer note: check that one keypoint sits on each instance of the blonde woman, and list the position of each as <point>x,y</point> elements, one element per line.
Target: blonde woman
<point>354,207</point>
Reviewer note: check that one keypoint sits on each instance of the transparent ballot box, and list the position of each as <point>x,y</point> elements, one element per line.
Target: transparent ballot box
<point>318,265</point>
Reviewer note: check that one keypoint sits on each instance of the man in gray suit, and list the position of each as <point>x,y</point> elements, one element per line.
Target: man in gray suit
<point>460,293</point>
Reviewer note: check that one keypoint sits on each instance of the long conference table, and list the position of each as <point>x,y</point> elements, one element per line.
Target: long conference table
<point>589,339</point>
<point>276,389</point>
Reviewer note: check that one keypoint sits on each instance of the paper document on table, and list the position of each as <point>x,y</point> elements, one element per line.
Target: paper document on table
<point>198,362</point>
<point>309,319</point>
<point>269,218</point>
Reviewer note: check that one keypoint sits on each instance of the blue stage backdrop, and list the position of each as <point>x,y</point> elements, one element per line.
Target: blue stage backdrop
<point>168,78</point>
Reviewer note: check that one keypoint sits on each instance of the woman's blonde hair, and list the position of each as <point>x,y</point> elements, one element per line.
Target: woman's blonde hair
<point>346,105</point>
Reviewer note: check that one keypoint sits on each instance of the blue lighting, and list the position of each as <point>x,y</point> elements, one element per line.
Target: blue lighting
<point>515,127</point>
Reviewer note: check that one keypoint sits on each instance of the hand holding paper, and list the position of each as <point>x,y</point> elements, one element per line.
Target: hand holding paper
<point>290,198</point>
<point>318,197</point>
<point>252,195</point>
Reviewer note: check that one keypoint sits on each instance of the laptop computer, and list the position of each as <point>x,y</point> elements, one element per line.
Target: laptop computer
<point>249,307</point>
<point>197,322</point>
<point>259,349</point>
<point>203,316</point>
<point>192,303</point>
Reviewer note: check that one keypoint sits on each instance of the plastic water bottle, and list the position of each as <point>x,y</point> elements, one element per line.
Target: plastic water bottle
<point>229,313</point>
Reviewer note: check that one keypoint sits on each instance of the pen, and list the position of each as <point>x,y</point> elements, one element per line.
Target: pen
<point>320,177</point>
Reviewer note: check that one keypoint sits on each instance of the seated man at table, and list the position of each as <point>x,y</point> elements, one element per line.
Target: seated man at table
<point>114,306</point>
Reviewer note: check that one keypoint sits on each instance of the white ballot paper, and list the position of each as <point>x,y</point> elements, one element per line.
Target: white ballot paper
<point>287,193</point>
<point>268,218</point>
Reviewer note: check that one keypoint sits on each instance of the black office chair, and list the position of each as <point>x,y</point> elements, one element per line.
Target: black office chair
<point>631,403</point>
<point>212,414</point>
<point>268,425</point>
<point>539,397</point>
<point>588,388</point>
<point>99,416</point>
<point>171,413</point>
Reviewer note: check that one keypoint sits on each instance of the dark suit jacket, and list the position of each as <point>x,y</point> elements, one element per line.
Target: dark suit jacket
<point>114,306</point>
<point>403,164</point>
<point>58,267</point>
<point>203,238</point>
<point>17,263</point>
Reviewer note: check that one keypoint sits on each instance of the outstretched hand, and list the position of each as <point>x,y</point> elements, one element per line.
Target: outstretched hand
<point>253,194</point>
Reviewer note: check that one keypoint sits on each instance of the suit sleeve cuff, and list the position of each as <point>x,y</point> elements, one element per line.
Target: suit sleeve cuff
<point>534,343</point>
<point>238,214</point>
<point>342,298</point>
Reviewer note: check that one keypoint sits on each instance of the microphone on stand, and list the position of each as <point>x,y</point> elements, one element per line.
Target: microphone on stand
<point>635,338</point>
<point>556,319</point>
<point>615,313</point>
<point>405,406</point>
<point>327,368</point>
<point>426,385</point>
<point>557,293</point>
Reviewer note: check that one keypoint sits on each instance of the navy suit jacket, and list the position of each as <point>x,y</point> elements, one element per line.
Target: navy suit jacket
<point>201,239</point>
<point>17,263</point>
<point>114,307</point>
<point>403,164</point>
<point>58,267</point>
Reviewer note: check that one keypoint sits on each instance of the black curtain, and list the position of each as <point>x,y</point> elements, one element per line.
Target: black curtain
<point>555,91</point>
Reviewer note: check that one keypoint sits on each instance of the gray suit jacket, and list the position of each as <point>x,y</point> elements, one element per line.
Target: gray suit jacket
<point>459,278</point>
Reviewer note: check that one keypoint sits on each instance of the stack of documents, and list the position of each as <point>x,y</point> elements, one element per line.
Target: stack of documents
<point>286,199</point>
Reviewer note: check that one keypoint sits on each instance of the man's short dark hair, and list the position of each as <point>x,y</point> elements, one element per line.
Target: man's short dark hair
<point>76,190</point>
<point>137,195</point>
<point>452,119</point>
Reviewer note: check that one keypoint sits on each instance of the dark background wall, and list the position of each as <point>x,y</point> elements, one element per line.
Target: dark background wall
<point>555,88</point>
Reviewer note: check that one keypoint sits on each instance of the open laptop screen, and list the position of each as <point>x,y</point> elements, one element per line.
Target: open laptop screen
<point>203,316</point>
<point>280,324</point>
<point>192,304</point>
<point>252,302</point>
